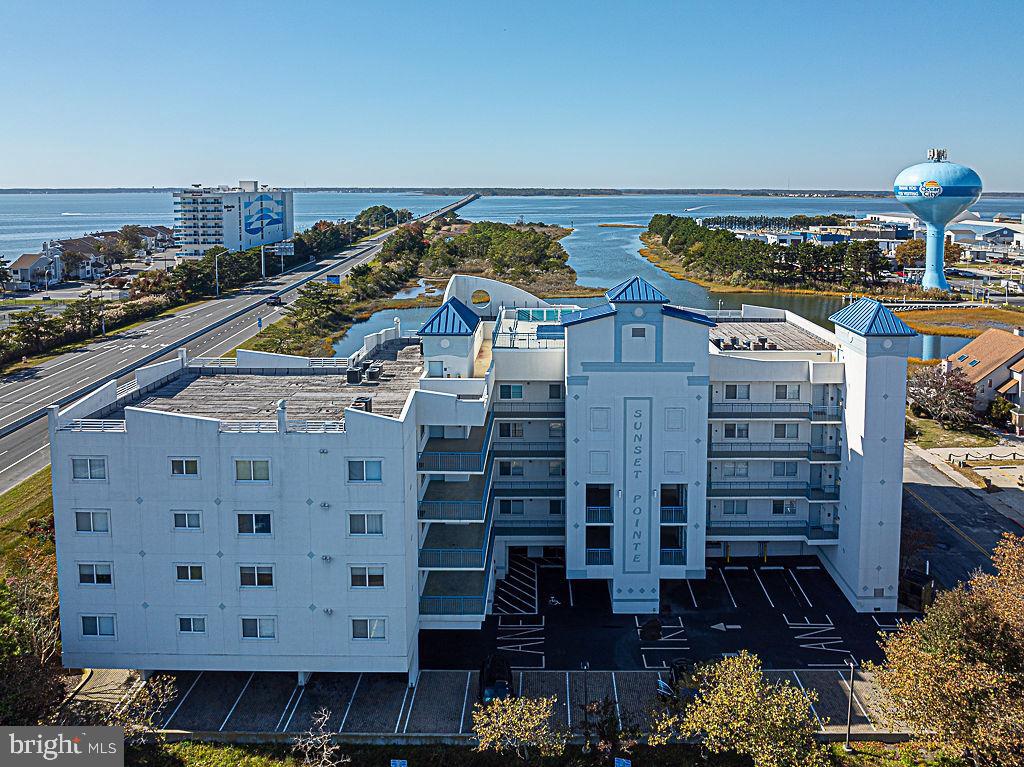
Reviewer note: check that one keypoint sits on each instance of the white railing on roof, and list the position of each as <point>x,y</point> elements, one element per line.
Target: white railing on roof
<point>316,427</point>
<point>249,427</point>
<point>328,362</point>
<point>213,362</point>
<point>125,389</point>
<point>93,424</point>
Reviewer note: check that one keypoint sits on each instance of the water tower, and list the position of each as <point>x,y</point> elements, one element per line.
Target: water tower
<point>936,192</point>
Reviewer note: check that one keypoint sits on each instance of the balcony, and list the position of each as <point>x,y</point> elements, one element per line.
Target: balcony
<point>553,409</point>
<point>454,547</point>
<point>454,501</point>
<point>599,556</point>
<point>455,593</point>
<point>461,455</point>
<point>673,556</point>
<point>777,449</point>
<point>826,413</point>
<point>673,515</point>
<point>773,489</point>
<point>528,488</point>
<point>771,528</point>
<point>552,449</point>
<point>825,454</point>
<point>599,515</point>
<point>784,410</point>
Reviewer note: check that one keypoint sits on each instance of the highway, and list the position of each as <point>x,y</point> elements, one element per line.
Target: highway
<point>209,329</point>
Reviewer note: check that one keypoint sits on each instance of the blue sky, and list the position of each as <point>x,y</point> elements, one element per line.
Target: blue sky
<point>506,93</point>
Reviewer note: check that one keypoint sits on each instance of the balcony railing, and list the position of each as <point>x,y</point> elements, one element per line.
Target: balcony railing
<point>773,488</point>
<point>599,556</point>
<point>673,556</point>
<point>826,413</point>
<point>472,559</point>
<point>673,515</point>
<point>527,487</point>
<point>599,514</point>
<point>755,528</point>
<point>527,449</point>
<point>452,605</point>
<point>761,409</point>
<point>741,448</point>
<point>467,462</point>
<point>552,408</point>
<point>451,511</point>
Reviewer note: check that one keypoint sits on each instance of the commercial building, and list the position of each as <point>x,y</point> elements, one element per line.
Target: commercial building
<point>282,513</point>
<point>236,218</point>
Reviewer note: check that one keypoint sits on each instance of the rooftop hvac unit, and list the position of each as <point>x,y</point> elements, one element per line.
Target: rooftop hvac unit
<point>363,403</point>
<point>373,372</point>
<point>354,375</point>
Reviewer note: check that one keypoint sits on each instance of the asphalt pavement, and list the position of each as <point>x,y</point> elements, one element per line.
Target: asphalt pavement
<point>206,330</point>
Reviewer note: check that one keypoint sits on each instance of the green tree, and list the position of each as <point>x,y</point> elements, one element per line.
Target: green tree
<point>35,329</point>
<point>82,316</point>
<point>316,304</point>
<point>130,237</point>
<point>910,253</point>
<point>5,275</point>
<point>518,725</point>
<point>999,411</point>
<point>953,253</point>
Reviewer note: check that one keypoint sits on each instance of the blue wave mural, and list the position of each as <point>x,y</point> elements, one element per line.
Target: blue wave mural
<point>270,212</point>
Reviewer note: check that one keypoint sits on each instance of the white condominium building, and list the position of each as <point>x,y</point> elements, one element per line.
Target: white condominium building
<point>286,514</point>
<point>237,218</point>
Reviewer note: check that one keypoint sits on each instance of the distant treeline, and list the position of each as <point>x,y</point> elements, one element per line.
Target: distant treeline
<point>719,255</point>
<point>774,222</point>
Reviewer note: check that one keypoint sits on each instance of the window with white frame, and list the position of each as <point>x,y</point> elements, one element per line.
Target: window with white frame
<point>784,468</point>
<point>365,523</point>
<point>556,468</point>
<point>95,574</point>
<point>787,391</point>
<point>735,468</point>
<point>256,576</point>
<point>89,469</point>
<point>510,391</point>
<point>787,430</point>
<point>510,468</point>
<point>259,627</point>
<point>510,430</point>
<point>511,506</point>
<point>783,508</point>
<point>737,391</point>
<point>252,470</point>
<point>184,467</point>
<point>191,624</point>
<point>188,573</point>
<point>98,626</point>
<point>364,471</point>
<point>369,628</point>
<point>188,520</point>
<point>737,430</point>
<point>734,508</point>
<point>92,521</point>
<point>366,576</point>
<point>253,523</point>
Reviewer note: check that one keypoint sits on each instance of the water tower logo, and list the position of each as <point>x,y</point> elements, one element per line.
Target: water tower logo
<point>930,189</point>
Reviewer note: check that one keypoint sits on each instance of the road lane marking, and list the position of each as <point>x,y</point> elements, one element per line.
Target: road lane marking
<point>24,458</point>
<point>952,526</point>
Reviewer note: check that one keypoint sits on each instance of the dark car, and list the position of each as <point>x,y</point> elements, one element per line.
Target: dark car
<point>680,680</point>
<point>275,301</point>
<point>496,679</point>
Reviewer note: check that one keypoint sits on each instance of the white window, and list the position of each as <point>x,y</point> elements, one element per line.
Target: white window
<point>256,576</point>
<point>89,468</point>
<point>364,471</point>
<point>737,431</point>
<point>787,391</point>
<point>188,573</point>
<point>510,391</point>
<point>97,625</point>
<point>184,467</point>
<point>251,523</point>
<point>786,508</point>
<point>95,574</point>
<point>787,430</point>
<point>365,523</point>
<point>556,430</point>
<point>734,507</point>
<point>510,430</point>
<point>191,624</point>
<point>554,391</point>
<point>97,522</point>
<point>737,391</point>
<point>368,628</point>
<point>735,468</point>
<point>510,506</point>
<point>556,468</point>
<point>510,468</point>
<point>187,520</point>
<point>784,469</point>
<point>259,627</point>
<point>367,576</point>
<point>252,470</point>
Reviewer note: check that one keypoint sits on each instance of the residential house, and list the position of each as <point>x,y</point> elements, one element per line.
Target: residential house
<point>987,361</point>
<point>36,270</point>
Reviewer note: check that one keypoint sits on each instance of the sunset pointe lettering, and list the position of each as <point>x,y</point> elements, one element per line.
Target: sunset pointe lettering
<point>637,491</point>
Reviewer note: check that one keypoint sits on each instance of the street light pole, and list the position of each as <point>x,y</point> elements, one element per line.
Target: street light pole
<point>216,274</point>
<point>849,710</point>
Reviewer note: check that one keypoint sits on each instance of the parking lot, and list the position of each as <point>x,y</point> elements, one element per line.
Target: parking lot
<point>441,703</point>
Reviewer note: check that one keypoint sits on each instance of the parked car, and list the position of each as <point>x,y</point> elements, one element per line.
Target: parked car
<point>679,682</point>
<point>496,679</point>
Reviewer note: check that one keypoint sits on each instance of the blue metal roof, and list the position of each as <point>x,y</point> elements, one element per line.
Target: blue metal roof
<point>636,290</point>
<point>686,314</point>
<point>593,313</point>
<point>867,317</point>
<point>550,331</point>
<point>452,318</point>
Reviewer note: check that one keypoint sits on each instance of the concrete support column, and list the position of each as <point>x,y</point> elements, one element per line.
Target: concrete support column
<point>304,677</point>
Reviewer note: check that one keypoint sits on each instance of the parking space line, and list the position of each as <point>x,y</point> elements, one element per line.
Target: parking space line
<point>736,567</point>
<point>401,710</point>
<point>351,698</point>
<point>294,709</point>
<point>615,692</point>
<point>797,582</point>
<point>886,626</point>
<point>244,688</point>
<point>183,698</point>
<point>863,712</point>
<point>570,593</point>
<point>766,568</point>
<point>277,727</point>
<point>729,590</point>
<point>568,702</point>
<point>814,711</point>
<point>412,702</point>
<point>807,567</point>
<point>465,700</point>
<point>692,595</point>
<point>765,590</point>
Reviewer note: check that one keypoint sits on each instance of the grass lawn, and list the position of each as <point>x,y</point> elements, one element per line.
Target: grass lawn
<point>931,434</point>
<point>32,499</point>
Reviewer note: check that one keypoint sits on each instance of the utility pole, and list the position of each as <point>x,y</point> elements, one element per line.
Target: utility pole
<point>263,261</point>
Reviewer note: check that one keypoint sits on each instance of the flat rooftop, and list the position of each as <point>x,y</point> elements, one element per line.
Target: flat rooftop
<point>734,335</point>
<point>314,397</point>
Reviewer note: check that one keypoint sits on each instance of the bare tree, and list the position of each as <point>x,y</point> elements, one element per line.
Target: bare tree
<point>138,711</point>
<point>316,746</point>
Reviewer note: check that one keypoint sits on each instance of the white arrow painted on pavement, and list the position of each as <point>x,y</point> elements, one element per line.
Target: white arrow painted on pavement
<point>724,627</point>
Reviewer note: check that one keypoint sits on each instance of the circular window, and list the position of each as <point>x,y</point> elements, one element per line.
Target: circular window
<point>638,312</point>
<point>445,343</point>
<point>480,298</point>
<point>887,343</point>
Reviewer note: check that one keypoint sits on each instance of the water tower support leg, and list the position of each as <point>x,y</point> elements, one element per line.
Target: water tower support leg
<point>934,254</point>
